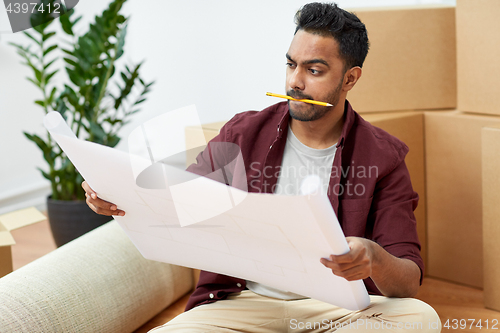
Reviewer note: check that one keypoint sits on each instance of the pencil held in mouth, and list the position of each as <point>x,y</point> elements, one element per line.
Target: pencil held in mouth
<point>310,101</point>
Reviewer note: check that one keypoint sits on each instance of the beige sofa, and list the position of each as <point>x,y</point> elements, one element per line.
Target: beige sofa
<point>96,283</point>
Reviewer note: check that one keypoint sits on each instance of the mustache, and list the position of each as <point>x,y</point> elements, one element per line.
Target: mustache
<point>298,95</point>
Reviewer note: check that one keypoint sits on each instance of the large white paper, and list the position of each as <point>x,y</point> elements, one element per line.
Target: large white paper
<point>197,222</point>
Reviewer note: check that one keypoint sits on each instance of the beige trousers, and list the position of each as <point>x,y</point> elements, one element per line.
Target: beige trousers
<point>249,312</point>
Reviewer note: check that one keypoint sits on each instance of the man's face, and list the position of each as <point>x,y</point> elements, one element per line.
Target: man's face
<point>314,71</point>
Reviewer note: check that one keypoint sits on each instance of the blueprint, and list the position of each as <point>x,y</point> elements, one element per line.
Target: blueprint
<point>177,217</point>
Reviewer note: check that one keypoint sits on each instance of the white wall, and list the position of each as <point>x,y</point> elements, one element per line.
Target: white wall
<point>222,55</point>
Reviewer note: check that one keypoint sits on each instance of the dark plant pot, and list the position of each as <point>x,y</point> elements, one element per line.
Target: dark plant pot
<point>71,219</point>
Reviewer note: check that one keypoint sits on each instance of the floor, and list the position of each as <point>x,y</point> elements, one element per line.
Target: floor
<point>458,306</point>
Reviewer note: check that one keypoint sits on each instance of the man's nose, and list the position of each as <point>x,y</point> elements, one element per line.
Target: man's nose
<point>295,80</point>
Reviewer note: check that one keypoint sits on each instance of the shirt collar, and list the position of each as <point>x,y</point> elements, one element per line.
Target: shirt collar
<point>348,122</point>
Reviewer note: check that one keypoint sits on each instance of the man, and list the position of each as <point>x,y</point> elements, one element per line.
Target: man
<point>375,209</point>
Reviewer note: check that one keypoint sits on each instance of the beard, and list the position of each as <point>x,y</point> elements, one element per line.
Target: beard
<point>311,112</point>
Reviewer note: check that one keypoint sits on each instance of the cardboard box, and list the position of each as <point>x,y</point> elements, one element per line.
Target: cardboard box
<point>491,216</point>
<point>478,56</point>
<point>407,126</point>
<point>9,222</point>
<point>411,64</point>
<point>197,139</point>
<point>454,191</point>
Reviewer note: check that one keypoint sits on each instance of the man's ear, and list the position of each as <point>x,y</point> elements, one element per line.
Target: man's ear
<point>351,76</point>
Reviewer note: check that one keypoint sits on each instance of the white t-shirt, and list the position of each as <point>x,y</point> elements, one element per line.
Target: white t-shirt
<point>299,161</point>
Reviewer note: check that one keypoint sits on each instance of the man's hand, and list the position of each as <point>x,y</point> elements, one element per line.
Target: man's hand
<point>395,277</point>
<point>354,265</point>
<point>98,205</point>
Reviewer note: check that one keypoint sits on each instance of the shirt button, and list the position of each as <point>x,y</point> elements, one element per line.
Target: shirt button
<point>271,146</point>
<point>211,295</point>
<point>238,285</point>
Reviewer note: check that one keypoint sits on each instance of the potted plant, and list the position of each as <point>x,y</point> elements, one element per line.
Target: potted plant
<point>94,109</point>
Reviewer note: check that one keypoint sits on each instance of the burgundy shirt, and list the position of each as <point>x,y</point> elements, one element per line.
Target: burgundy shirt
<point>370,188</point>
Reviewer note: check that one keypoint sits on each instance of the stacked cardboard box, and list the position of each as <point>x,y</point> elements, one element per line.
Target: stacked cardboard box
<point>9,222</point>
<point>478,67</point>
<point>454,207</point>
<point>491,213</point>
<point>411,62</point>
<point>462,160</point>
<point>478,56</point>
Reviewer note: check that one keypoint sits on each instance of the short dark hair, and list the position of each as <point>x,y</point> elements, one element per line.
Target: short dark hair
<point>327,19</point>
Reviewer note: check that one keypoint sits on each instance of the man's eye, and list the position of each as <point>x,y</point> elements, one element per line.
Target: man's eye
<point>289,64</point>
<point>314,71</point>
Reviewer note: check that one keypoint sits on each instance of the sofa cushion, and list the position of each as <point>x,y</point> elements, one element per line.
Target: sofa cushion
<point>96,283</point>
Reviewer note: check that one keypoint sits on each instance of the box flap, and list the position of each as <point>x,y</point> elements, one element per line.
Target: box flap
<point>21,218</point>
<point>6,238</point>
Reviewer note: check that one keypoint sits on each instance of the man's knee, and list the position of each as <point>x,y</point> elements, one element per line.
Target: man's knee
<point>430,319</point>
<point>410,313</point>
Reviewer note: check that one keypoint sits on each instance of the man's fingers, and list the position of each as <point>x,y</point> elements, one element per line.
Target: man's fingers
<point>88,190</point>
<point>355,273</point>
<point>349,272</point>
<point>338,267</point>
<point>103,207</point>
<point>357,251</point>
<point>98,205</point>
<point>343,258</point>
<point>90,205</point>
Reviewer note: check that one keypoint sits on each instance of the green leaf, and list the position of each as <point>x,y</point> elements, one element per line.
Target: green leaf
<point>33,38</point>
<point>49,76</point>
<point>60,105</point>
<point>76,20</point>
<point>72,97</point>
<point>40,102</point>
<point>112,140</point>
<point>50,63</point>
<point>71,62</point>
<point>15,45</point>
<point>140,101</point>
<point>45,175</point>
<point>33,81</point>
<point>68,52</point>
<point>97,130</point>
<point>66,24</point>
<point>75,78</point>
<point>47,36</point>
<point>121,42</point>
<point>52,94</point>
<point>40,21</point>
<point>38,74</point>
<point>39,142</point>
<point>50,49</point>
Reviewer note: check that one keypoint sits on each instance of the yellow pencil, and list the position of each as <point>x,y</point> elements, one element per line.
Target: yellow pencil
<point>310,101</point>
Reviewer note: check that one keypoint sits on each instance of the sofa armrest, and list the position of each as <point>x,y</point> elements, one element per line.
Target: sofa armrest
<point>96,283</point>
